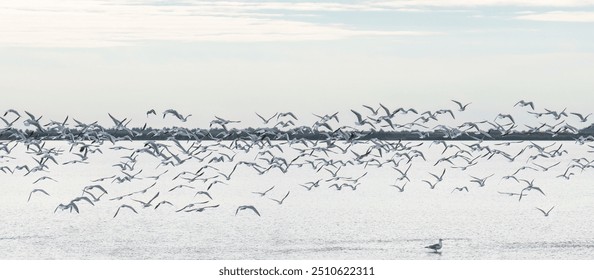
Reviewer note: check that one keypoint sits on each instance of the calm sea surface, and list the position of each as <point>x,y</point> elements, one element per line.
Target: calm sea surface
<point>375,221</point>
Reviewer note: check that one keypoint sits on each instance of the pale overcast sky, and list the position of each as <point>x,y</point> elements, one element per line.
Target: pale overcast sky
<point>85,58</point>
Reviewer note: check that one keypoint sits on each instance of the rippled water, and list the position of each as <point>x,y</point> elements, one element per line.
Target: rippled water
<point>373,222</point>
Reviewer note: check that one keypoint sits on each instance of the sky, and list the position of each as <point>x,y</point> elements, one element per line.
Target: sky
<point>87,58</point>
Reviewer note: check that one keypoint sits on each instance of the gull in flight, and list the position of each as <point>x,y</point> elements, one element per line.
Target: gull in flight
<point>12,111</point>
<point>373,111</point>
<point>176,114</point>
<point>523,168</point>
<point>530,183</point>
<point>545,213</point>
<point>565,175</point>
<point>503,116</point>
<point>103,179</point>
<point>523,103</point>
<point>4,168</point>
<point>556,114</point>
<point>265,192</point>
<point>99,187</point>
<point>70,206</point>
<point>201,209</point>
<point>311,185</point>
<point>529,188</point>
<point>243,207</point>
<point>8,124</point>
<point>181,186</point>
<point>222,122</point>
<point>460,189</point>
<point>44,178</point>
<point>203,193</point>
<point>462,107</point>
<point>443,111</point>
<point>290,114</point>
<point>360,120</point>
<point>435,247</point>
<point>281,201</point>
<point>582,118</point>
<point>440,177</point>
<point>512,194</point>
<point>158,176</point>
<point>147,204</point>
<point>118,123</point>
<point>37,190</point>
<point>400,189</point>
<point>163,202</point>
<point>430,184</point>
<point>404,174</point>
<point>124,206</point>
<point>544,168</point>
<point>95,198</point>
<point>80,198</point>
<point>266,120</point>
<point>191,205</point>
<point>480,181</point>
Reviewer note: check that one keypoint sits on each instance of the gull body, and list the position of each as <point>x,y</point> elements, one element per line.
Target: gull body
<point>435,247</point>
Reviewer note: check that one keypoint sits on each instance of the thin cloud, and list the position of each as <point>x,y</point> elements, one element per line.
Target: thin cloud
<point>559,16</point>
<point>479,3</point>
<point>66,23</point>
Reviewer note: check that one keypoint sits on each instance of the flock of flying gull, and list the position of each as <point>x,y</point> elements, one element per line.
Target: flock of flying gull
<point>196,166</point>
